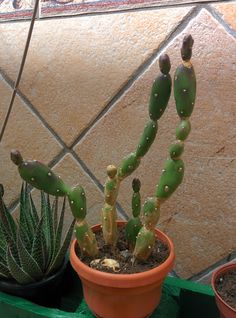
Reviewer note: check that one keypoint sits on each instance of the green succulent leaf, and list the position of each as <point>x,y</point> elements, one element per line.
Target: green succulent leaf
<point>58,260</point>
<point>37,251</point>
<point>28,263</point>
<point>16,271</point>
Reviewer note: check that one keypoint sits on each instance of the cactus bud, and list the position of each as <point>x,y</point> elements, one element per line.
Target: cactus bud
<point>16,157</point>
<point>164,64</point>
<point>186,49</point>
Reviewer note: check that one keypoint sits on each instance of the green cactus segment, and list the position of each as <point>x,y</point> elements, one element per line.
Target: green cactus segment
<point>132,229</point>
<point>144,244</point>
<point>183,130</point>
<point>77,201</point>
<point>151,213</point>
<point>136,204</point>
<point>42,177</point>
<point>86,239</point>
<point>111,191</point>
<point>109,226</point>
<point>176,150</point>
<point>147,138</point>
<point>171,178</point>
<point>160,95</point>
<point>128,165</point>
<point>185,90</point>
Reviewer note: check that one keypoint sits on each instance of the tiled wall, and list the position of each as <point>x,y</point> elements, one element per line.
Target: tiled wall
<point>83,102</point>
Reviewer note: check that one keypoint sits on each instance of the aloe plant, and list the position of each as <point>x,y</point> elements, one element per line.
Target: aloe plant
<point>140,232</point>
<point>32,247</point>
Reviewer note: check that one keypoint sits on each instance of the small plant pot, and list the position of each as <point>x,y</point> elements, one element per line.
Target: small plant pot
<point>226,311</point>
<point>44,292</point>
<point>122,295</point>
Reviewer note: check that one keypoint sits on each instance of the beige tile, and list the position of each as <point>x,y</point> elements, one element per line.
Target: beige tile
<point>76,65</point>
<point>202,230</point>
<point>228,12</point>
<point>26,133</point>
<point>207,195</point>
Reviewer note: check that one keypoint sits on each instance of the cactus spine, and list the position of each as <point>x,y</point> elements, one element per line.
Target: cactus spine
<point>159,98</point>
<point>173,172</point>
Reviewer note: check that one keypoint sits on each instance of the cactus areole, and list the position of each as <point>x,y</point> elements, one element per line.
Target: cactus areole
<point>140,229</point>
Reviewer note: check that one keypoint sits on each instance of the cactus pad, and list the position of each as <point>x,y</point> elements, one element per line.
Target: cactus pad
<point>109,227</point>
<point>184,90</point>
<point>77,201</point>
<point>151,213</point>
<point>183,130</point>
<point>160,95</point>
<point>171,178</point>
<point>144,244</point>
<point>176,150</point>
<point>128,165</point>
<point>42,177</point>
<point>147,138</point>
<point>132,228</point>
<point>86,239</point>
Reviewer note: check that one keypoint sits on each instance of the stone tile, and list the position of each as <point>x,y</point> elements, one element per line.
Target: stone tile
<point>228,12</point>
<point>76,65</point>
<point>207,196</point>
<point>26,133</point>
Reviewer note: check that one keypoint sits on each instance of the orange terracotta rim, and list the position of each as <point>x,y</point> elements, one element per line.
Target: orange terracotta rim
<point>124,280</point>
<point>223,269</point>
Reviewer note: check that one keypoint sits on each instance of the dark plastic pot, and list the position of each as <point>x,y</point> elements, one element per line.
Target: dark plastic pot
<point>45,292</point>
<point>226,311</point>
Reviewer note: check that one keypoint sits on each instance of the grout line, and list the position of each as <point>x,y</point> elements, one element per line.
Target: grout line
<point>212,267</point>
<point>31,107</point>
<point>138,72</point>
<point>118,11</point>
<point>217,15</point>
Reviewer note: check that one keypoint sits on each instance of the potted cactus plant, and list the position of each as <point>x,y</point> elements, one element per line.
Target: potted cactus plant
<point>224,286</point>
<point>109,289</point>
<point>32,249</point>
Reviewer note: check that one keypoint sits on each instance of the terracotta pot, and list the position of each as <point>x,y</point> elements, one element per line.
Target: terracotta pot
<point>122,295</point>
<point>225,310</point>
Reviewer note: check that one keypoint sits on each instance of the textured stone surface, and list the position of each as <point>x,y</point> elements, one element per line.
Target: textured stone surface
<point>26,133</point>
<point>228,12</point>
<point>195,215</point>
<point>76,65</point>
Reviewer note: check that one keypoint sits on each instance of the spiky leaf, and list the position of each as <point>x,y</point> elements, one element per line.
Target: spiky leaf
<point>16,271</point>
<point>28,263</point>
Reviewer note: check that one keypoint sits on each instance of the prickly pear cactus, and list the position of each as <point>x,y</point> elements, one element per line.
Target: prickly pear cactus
<point>159,98</point>
<point>173,172</point>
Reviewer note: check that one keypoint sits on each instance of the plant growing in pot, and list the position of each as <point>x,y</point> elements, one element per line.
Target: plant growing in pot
<point>224,286</point>
<point>32,248</point>
<point>120,264</point>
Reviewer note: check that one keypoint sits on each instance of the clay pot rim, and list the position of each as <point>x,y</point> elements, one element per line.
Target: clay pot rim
<point>223,269</point>
<point>124,280</point>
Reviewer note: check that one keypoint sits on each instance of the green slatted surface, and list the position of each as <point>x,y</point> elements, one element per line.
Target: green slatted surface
<point>180,299</point>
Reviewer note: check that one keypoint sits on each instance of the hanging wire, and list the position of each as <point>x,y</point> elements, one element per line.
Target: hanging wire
<point>36,5</point>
